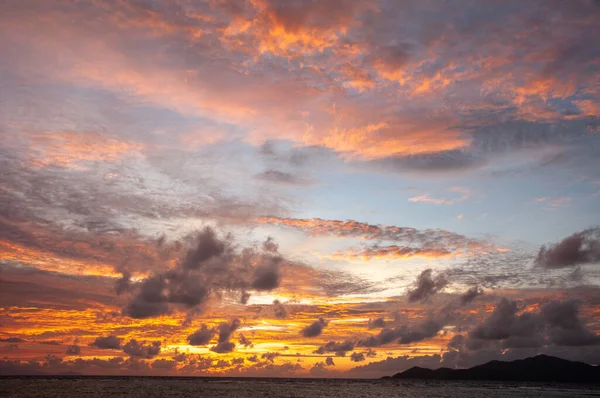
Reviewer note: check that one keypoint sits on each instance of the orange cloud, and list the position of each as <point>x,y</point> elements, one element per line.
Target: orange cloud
<point>393,252</point>
<point>74,150</point>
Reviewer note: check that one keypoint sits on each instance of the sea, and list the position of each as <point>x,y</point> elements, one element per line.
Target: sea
<point>145,387</point>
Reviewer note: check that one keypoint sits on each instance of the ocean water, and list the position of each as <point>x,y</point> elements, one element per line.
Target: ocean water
<point>78,387</point>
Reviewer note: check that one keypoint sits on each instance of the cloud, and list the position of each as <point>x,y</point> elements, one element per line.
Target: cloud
<point>376,323</point>
<point>426,241</point>
<point>244,341</point>
<point>580,248</point>
<point>357,357</point>
<point>73,349</point>
<point>12,340</point>
<point>207,246</point>
<point>226,329</point>
<point>329,361</point>
<point>209,267</point>
<point>123,284</point>
<point>266,276</point>
<point>164,364</point>
<point>201,336</point>
<point>465,194</point>
<point>339,348</point>
<point>505,324</point>
<point>141,350</point>
<point>557,323</point>
<point>314,329</point>
<point>108,342</point>
<point>279,310</point>
<point>564,325</point>
<point>270,356</point>
<point>282,177</point>
<point>392,252</point>
<point>407,334</point>
<point>470,295</point>
<point>426,286</point>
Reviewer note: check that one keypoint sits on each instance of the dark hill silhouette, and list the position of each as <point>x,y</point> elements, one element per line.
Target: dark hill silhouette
<point>539,368</point>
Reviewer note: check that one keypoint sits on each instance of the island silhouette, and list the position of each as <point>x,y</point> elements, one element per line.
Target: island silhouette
<point>539,368</point>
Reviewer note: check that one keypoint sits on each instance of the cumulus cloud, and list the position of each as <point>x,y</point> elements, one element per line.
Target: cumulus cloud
<point>376,323</point>
<point>329,361</point>
<point>207,246</point>
<point>470,295</point>
<point>201,336</point>
<point>426,286</point>
<point>564,325</point>
<point>123,284</point>
<point>244,341</point>
<point>141,349</point>
<point>557,323</point>
<point>314,329</point>
<point>580,248</point>
<point>505,324</point>
<point>266,276</point>
<point>226,329</point>
<point>357,357</point>
<point>409,333</point>
<point>270,356</point>
<point>339,348</point>
<point>210,266</point>
<point>108,342</point>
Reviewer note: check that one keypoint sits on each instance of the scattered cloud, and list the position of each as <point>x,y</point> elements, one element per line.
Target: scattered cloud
<point>580,248</point>
<point>314,329</point>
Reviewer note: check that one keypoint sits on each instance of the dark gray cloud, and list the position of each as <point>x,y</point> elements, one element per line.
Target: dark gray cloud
<point>244,341</point>
<point>12,340</point>
<point>470,295</point>
<point>357,357</point>
<point>564,326</point>
<point>123,284</point>
<point>207,246</point>
<point>580,248</point>
<point>211,266</point>
<point>108,342</point>
<point>411,331</point>
<point>557,323</point>
<point>141,349</point>
<point>270,356</point>
<point>340,348</point>
<point>226,329</point>
<point>73,349</point>
<point>376,323</point>
<point>266,276</point>
<point>426,286</point>
<point>329,361</point>
<point>150,301</point>
<point>202,336</point>
<point>504,324</point>
<point>314,329</point>
<point>223,347</point>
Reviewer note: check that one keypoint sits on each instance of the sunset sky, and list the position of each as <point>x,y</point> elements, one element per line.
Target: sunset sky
<point>297,188</point>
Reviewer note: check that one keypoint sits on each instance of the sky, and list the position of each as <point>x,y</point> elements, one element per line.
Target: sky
<point>299,188</point>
